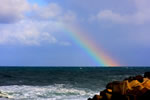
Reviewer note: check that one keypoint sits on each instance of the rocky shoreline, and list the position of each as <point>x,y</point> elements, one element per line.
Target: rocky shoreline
<point>132,88</point>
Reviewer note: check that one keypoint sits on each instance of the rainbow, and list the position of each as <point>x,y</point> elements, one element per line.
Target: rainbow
<point>97,55</point>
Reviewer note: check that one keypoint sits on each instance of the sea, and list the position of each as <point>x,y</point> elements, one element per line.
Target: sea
<point>60,83</point>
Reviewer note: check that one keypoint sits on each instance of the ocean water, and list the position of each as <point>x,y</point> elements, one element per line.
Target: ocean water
<point>60,83</point>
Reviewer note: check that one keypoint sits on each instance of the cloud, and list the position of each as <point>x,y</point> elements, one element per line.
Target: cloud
<point>68,17</point>
<point>26,32</point>
<point>52,11</point>
<point>141,16</point>
<point>32,24</point>
<point>12,10</point>
<point>111,16</point>
<point>49,11</point>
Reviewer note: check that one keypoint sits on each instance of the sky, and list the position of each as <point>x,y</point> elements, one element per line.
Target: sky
<point>39,32</point>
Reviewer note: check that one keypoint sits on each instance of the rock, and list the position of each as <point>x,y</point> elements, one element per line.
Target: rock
<point>96,97</point>
<point>132,88</point>
<point>89,99</point>
<point>109,85</point>
<point>103,94</point>
<point>130,79</point>
<point>139,78</point>
<point>106,95</point>
<point>146,83</point>
<point>147,75</point>
<point>133,84</point>
<point>118,97</point>
<point>145,96</point>
<point>119,87</point>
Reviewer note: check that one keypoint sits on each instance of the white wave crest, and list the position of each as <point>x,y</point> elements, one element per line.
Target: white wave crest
<point>52,92</point>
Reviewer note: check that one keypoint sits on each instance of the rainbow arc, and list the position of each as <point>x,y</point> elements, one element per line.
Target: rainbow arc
<point>98,56</point>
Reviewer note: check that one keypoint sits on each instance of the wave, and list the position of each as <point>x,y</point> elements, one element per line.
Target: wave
<point>52,92</point>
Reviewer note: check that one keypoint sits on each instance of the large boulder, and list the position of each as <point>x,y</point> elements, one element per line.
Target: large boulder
<point>132,88</point>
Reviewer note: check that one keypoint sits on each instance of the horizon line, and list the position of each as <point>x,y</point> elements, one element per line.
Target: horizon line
<point>75,66</point>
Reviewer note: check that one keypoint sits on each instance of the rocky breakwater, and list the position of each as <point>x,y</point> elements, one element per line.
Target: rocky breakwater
<point>132,88</point>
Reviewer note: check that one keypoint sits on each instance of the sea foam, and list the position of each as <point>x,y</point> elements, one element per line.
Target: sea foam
<point>52,92</point>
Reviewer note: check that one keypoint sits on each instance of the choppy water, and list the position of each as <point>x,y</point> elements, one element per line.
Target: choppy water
<point>60,83</point>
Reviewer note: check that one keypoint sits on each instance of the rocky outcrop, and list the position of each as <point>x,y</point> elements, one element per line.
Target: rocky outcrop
<point>132,88</point>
